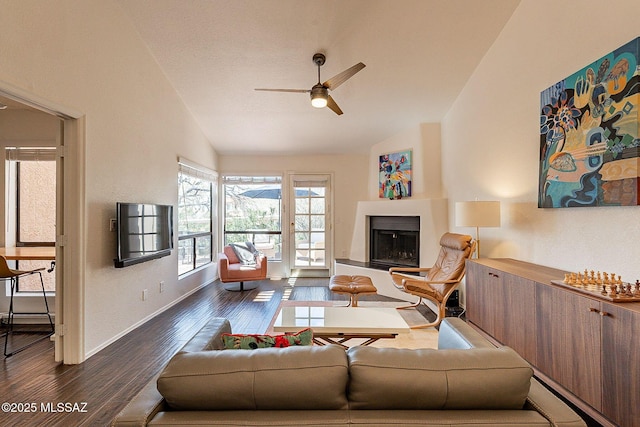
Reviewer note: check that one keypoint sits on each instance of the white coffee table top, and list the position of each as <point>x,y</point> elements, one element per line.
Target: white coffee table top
<point>338,320</point>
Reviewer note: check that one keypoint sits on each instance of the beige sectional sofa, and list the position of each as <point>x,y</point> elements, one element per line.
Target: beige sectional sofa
<point>466,382</point>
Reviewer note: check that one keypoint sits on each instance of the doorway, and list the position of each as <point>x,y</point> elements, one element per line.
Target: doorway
<point>69,222</point>
<point>310,219</point>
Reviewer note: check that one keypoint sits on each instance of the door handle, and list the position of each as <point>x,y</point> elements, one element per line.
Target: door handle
<point>601,313</point>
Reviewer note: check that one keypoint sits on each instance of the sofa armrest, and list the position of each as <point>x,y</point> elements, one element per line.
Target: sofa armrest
<point>456,333</point>
<point>209,337</point>
<point>551,407</point>
<point>148,402</point>
<point>142,408</point>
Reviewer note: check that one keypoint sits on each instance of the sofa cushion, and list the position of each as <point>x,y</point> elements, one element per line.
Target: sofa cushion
<point>254,341</point>
<point>483,378</point>
<point>310,377</point>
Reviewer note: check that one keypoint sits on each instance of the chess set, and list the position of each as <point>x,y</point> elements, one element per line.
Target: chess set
<point>607,286</point>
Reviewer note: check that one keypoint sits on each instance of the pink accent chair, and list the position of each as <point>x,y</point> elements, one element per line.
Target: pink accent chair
<point>231,270</point>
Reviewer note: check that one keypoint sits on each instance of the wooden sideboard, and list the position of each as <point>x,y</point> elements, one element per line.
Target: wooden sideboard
<point>585,348</point>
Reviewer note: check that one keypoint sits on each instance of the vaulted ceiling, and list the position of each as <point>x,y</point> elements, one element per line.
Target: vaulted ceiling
<point>418,55</point>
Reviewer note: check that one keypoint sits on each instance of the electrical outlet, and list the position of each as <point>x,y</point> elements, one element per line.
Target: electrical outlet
<point>113,223</point>
<point>161,286</point>
<point>144,295</point>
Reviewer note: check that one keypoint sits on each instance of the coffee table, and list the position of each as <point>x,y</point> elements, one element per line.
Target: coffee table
<point>337,325</point>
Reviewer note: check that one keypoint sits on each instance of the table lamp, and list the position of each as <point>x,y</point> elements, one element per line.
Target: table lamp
<point>478,214</point>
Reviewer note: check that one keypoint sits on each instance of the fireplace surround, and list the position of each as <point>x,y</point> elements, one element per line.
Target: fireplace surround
<point>433,214</point>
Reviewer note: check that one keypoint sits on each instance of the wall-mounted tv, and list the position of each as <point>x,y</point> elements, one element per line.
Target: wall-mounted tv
<point>144,232</point>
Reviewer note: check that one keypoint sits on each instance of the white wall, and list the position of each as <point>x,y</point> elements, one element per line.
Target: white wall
<point>85,55</point>
<point>424,142</point>
<point>493,130</point>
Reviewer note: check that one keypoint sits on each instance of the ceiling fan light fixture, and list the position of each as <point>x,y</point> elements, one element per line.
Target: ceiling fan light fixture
<point>319,96</point>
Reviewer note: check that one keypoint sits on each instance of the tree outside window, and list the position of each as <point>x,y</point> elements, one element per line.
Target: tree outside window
<point>253,207</point>
<point>195,219</point>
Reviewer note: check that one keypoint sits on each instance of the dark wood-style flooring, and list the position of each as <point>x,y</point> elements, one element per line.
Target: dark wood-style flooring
<point>109,379</point>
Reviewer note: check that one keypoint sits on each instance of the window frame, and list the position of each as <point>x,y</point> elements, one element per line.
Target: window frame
<point>253,180</point>
<point>209,177</point>
<point>18,155</point>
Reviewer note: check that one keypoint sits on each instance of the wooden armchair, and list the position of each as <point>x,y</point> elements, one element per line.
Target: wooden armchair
<point>441,279</point>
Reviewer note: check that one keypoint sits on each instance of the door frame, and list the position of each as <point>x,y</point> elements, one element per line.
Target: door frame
<point>310,271</point>
<point>70,224</point>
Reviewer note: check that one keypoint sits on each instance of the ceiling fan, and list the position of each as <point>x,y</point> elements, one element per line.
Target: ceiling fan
<point>320,91</point>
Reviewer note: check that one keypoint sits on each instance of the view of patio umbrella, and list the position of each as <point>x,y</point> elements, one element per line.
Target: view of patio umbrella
<point>273,192</point>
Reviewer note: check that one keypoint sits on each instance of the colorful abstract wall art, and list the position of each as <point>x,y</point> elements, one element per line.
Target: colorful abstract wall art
<point>395,175</point>
<point>589,146</point>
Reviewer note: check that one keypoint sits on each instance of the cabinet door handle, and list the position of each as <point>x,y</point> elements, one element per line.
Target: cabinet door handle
<point>601,313</point>
<point>493,275</point>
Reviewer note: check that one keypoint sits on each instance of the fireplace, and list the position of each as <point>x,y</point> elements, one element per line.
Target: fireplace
<point>394,241</point>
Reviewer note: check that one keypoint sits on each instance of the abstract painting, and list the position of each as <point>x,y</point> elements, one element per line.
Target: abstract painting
<point>395,175</point>
<point>589,146</point>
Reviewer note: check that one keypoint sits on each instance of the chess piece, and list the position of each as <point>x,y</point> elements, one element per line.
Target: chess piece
<point>614,290</point>
<point>604,290</point>
<point>572,280</point>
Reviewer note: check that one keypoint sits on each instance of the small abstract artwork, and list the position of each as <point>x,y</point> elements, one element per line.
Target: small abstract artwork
<point>589,144</point>
<point>395,175</point>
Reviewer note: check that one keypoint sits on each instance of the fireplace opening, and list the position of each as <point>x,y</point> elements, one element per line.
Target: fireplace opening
<point>394,241</point>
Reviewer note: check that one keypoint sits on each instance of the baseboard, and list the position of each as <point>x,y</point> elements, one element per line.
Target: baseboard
<point>144,320</point>
<point>26,319</point>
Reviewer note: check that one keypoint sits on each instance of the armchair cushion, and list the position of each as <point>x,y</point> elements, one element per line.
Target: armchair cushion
<point>454,250</point>
<point>231,255</point>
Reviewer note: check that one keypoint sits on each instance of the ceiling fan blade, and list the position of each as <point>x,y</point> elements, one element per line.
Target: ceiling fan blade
<point>285,90</point>
<point>333,106</point>
<point>338,79</point>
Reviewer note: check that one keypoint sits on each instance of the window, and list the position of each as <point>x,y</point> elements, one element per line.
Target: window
<point>253,206</point>
<point>32,191</point>
<point>196,215</point>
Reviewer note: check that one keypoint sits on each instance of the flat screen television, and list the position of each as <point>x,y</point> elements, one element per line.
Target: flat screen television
<point>144,232</point>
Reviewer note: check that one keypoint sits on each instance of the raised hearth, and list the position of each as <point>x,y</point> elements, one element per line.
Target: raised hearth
<point>432,214</point>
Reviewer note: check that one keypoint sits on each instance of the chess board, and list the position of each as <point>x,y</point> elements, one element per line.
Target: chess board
<point>597,291</point>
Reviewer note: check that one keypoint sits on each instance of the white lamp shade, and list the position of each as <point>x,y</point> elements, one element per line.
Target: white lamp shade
<point>478,214</point>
